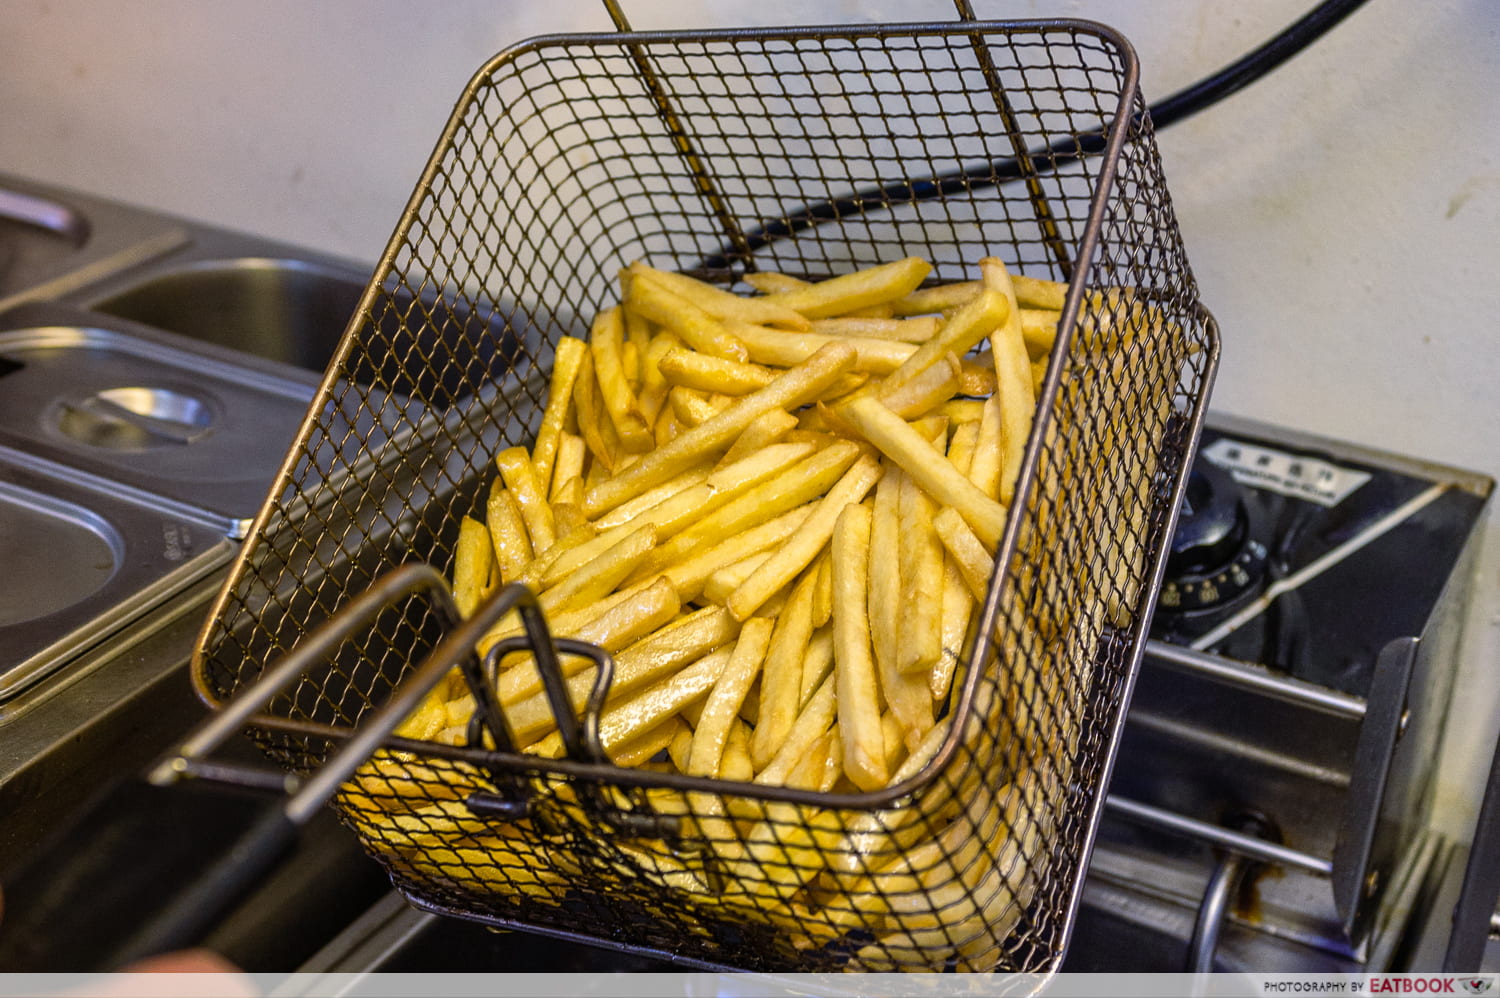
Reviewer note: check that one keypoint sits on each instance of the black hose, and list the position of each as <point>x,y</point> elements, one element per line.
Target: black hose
<point>1184,103</point>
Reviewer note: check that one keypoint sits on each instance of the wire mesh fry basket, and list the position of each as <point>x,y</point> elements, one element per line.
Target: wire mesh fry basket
<point>810,152</point>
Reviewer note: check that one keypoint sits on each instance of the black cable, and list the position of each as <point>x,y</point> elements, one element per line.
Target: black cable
<point>1184,103</point>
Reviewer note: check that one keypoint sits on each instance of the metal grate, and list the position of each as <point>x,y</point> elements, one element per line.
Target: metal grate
<point>566,159</point>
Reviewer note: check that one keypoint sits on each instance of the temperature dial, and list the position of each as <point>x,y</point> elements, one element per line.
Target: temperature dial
<point>1215,563</point>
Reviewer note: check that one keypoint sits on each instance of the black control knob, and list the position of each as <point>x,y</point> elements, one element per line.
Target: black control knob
<point>1215,562</point>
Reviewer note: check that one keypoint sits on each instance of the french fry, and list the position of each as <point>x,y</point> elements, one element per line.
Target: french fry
<point>568,463</point>
<point>726,580</point>
<point>807,543</point>
<point>854,668</point>
<point>961,446</point>
<point>903,445</point>
<point>765,430</point>
<point>644,747</point>
<point>917,330</point>
<point>521,481</point>
<point>797,386</point>
<point>593,424</point>
<point>960,411</point>
<point>852,292</point>
<point>567,360</point>
<point>681,743</point>
<point>939,298</point>
<point>724,305</point>
<point>637,341</point>
<point>927,390</point>
<point>769,282</point>
<point>1036,292</point>
<point>958,607</point>
<point>691,407</point>
<point>512,544</point>
<point>690,369</point>
<point>650,660</point>
<point>689,575</point>
<point>976,376</point>
<point>817,663</point>
<point>721,487</point>
<point>823,593</point>
<point>972,323</point>
<point>780,348</point>
<point>919,644</point>
<point>808,725</point>
<point>606,340</point>
<point>984,469</point>
<point>651,299</point>
<point>1012,379</point>
<point>974,562</point>
<point>735,763</point>
<point>723,704</point>
<point>781,676</point>
<point>653,392</point>
<point>1039,330</point>
<point>599,577</point>
<point>625,512</point>
<point>800,483</point>
<point>883,601</point>
<point>626,720</point>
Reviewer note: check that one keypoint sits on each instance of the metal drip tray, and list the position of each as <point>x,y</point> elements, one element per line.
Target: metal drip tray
<point>80,562</point>
<point>180,426</point>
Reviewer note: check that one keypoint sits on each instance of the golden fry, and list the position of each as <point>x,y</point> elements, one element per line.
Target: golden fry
<point>852,292</point>
<point>473,561</point>
<point>939,298</point>
<point>807,543</point>
<point>970,324</point>
<point>779,348</point>
<point>921,569</point>
<point>568,463</point>
<point>769,282</point>
<point>654,706</point>
<point>507,532</point>
<point>984,468</point>
<point>800,483</point>
<point>1039,330</point>
<point>927,390</point>
<point>823,593</point>
<point>652,300</point>
<point>593,423</point>
<point>520,479</point>
<point>567,360</point>
<point>766,430</point>
<point>599,577</point>
<point>974,562</point>
<point>918,330</point>
<point>691,407</point>
<point>796,387</point>
<point>854,667</point>
<point>781,676</point>
<point>1012,379</point>
<point>903,445</point>
<point>725,305</point>
<point>723,705</point>
<point>1036,292</point>
<point>690,369</point>
<point>606,341</point>
<point>816,716</point>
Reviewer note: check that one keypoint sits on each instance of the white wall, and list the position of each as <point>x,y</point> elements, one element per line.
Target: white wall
<point>1341,216</point>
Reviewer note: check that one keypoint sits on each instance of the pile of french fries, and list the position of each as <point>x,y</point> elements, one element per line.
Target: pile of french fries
<point>779,511</point>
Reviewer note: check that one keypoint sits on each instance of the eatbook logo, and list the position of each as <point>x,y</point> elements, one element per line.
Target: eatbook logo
<point>1477,985</point>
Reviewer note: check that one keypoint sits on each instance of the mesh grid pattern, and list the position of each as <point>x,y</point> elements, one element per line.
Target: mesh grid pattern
<point>558,168</point>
